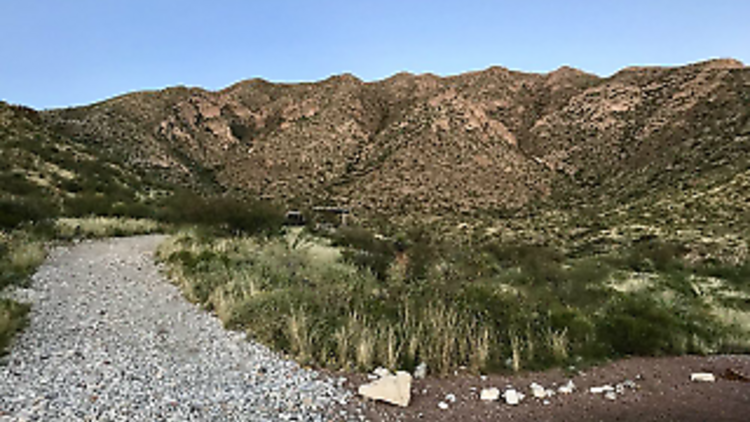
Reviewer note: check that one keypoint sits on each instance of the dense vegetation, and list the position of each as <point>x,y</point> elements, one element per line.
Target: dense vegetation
<point>356,300</point>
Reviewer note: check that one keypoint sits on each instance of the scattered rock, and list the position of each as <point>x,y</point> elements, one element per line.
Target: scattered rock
<point>490,394</point>
<point>702,377</point>
<point>538,391</point>
<point>443,405</point>
<point>610,395</point>
<point>513,397</point>
<point>450,398</point>
<point>567,388</point>
<point>394,389</point>
<point>602,389</point>
<point>420,372</point>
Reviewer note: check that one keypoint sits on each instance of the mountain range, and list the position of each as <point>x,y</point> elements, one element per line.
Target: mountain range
<point>492,141</point>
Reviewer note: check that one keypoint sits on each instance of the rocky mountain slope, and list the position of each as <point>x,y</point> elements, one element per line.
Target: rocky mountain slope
<point>44,173</point>
<point>490,140</point>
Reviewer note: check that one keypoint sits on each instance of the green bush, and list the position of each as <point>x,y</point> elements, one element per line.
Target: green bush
<point>15,212</point>
<point>364,250</point>
<point>639,324</point>
<point>233,215</point>
<point>13,318</point>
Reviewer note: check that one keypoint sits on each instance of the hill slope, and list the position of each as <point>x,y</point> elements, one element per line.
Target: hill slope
<point>488,140</point>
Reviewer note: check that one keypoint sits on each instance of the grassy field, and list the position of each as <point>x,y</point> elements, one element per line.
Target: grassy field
<point>356,300</point>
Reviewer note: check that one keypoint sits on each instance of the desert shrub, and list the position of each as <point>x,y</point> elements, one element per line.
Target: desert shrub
<point>87,204</point>
<point>98,227</point>
<point>15,212</point>
<point>651,254</point>
<point>365,250</point>
<point>639,324</point>
<point>21,258</point>
<point>17,184</point>
<point>13,318</point>
<point>736,274</point>
<point>233,215</point>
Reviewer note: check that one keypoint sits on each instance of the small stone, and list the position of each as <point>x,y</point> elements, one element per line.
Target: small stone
<point>489,394</point>
<point>567,388</point>
<point>450,398</point>
<point>513,397</point>
<point>538,391</point>
<point>610,395</point>
<point>601,389</point>
<point>420,372</point>
<point>702,377</point>
<point>443,405</point>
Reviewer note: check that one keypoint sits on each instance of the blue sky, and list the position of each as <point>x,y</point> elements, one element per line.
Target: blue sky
<point>60,53</point>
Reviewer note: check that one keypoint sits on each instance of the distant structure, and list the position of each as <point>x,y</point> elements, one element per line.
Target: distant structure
<point>342,213</point>
<point>297,218</point>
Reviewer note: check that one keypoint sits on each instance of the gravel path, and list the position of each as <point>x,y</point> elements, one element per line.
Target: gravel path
<point>111,340</point>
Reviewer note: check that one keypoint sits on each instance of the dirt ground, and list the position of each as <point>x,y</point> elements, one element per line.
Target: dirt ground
<point>663,392</point>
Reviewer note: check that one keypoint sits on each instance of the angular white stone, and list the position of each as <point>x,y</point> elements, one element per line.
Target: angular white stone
<point>443,405</point>
<point>394,389</point>
<point>489,394</point>
<point>610,395</point>
<point>513,397</point>
<point>702,377</point>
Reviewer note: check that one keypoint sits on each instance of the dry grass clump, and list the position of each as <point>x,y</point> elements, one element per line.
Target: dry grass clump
<point>97,227</point>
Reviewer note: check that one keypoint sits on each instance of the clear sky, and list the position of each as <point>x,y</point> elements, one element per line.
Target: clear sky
<point>59,53</point>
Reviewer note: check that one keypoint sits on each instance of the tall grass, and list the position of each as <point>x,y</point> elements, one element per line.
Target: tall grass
<point>491,307</point>
<point>19,258</point>
<point>98,227</point>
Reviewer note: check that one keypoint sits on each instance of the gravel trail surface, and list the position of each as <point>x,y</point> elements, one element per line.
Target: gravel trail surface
<point>111,339</point>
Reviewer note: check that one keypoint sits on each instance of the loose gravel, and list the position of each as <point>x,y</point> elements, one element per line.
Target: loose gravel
<point>111,339</point>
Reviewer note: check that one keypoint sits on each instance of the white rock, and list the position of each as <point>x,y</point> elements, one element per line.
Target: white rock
<point>420,371</point>
<point>610,395</point>
<point>443,405</point>
<point>489,394</point>
<point>602,389</point>
<point>381,372</point>
<point>450,398</point>
<point>567,388</point>
<point>394,389</point>
<point>538,391</point>
<point>702,377</point>
<point>513,397</point>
